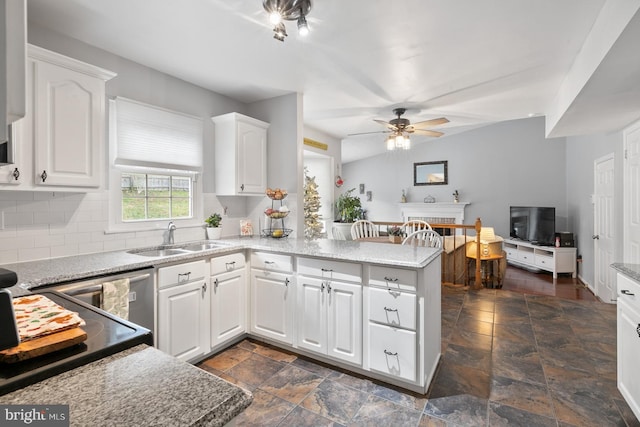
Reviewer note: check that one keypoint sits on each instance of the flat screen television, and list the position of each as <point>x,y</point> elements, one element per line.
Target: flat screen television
<point>533,224</point>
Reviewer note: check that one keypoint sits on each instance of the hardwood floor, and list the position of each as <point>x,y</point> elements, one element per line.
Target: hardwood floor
<point>529,354</point>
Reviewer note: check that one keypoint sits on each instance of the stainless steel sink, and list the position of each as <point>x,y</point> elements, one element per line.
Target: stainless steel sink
<point>201,247</point>
<point>160,252</point>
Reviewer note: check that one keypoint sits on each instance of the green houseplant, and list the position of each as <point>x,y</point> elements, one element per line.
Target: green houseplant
<point>348,210</point>
<point>214,230</point>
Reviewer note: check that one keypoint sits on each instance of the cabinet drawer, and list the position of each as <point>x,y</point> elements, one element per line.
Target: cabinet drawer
<point>525,256</point>
<point>512,253</point>
<point>272,262</point>
<point>392,351</point>
<point>335,270</point>
<point>544,261</point>
<point>392,308</point>
<point>629,286</point>
<point>226,263</point>
<point>181,273</point>
<point>393,278</point>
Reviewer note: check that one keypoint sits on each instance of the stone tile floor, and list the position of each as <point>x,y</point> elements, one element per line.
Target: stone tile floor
<point>508,359</point>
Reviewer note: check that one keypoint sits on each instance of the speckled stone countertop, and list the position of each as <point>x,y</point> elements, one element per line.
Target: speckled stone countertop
<point>630,270</point>
<point>140,386</point>
<point>56,270</point>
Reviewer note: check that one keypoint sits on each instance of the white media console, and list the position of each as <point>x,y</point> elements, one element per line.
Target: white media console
<point>548,258</point>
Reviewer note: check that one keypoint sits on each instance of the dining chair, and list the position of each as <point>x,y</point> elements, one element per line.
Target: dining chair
<point>414,225</point>
<point>337,234</point>
<point>363,228</point>
<point>426,238</point>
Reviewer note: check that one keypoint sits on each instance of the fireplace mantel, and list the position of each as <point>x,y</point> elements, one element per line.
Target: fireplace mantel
<point>439,212</point>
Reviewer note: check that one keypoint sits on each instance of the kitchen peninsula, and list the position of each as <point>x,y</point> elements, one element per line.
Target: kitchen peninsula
<point>389,294</point>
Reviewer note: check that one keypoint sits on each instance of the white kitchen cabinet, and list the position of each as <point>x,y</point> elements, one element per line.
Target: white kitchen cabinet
<point>272,296</point>
<point>240,155</point>
<point>228,299</point>
<point>60,142</point>
<point>628,341</point>
<point>329,309</point>
<point>183,310</point>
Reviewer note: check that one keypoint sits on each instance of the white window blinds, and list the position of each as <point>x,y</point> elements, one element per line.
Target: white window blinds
<point>150,136</point>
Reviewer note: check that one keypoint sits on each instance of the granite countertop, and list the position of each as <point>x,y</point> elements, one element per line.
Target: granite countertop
<point>33,274</point>
<point>139,386</point>
<point>630,270</point>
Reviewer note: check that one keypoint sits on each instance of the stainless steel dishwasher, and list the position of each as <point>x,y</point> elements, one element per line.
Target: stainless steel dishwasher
<point>141,294</point>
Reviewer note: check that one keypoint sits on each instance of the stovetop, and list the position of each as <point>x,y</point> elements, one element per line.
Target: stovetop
<point>106,335</point>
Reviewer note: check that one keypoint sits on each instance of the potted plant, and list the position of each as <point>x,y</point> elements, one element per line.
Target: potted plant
<point>395,234</point>
<point>348,210</point>
<point>214,231</point>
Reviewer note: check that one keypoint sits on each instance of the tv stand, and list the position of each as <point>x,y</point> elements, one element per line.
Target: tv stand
<point>547,258</point>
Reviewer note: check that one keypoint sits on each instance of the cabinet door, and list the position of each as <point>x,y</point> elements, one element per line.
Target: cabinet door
<point>252,155</point>
<point>183,320</point>
<point>69,113</point>
<point>272,298</point>
<point>344,313</point>
<point>628,351</point>
<point>228,306</point>
<point>312,314</point>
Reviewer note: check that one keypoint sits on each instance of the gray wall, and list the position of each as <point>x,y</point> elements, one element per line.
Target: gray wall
<point>493,167</point>
<point>581,153</point>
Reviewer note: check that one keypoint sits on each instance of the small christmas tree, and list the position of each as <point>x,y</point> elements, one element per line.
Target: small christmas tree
<point>312,224</point>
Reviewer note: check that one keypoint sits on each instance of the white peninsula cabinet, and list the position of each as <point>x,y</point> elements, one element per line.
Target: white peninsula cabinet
<point>240,155</point>
<point>329,309</point>
<point>228,299</point>
<point>628,341</point>
<point>272,296</point>
<point>183,310</point>
<point>59,144</point>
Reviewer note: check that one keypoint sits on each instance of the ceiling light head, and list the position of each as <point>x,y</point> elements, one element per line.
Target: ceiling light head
<point>275,17</point>
<point>303,28</point>
<point>280,32</point>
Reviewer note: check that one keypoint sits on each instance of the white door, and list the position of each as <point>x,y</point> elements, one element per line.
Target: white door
<point>345,322</point>
<point>228,306</point>
<point>632,195</point>
<point>312,314</point>
<point>271,305</point>
<point>604,228</point>
<point>182,320</point>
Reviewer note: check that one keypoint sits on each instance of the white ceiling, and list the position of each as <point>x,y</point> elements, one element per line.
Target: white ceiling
<point>475,62</point>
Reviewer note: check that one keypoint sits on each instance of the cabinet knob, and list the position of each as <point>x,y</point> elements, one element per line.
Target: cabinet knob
<point>215,284</point>
<point>638,330</point>
<point>242,187</point>
<point>16,174</point>
<point>286,282</point>
<point>204,289</point>
<point>43,175</point>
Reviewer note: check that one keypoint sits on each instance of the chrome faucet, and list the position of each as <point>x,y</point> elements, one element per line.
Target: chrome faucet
<point>170,229</point>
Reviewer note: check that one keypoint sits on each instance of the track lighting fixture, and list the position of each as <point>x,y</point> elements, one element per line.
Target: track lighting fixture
<point>287,10</point>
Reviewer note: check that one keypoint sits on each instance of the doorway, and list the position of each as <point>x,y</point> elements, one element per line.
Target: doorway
<point>604,227</point>
<point>320,166</point>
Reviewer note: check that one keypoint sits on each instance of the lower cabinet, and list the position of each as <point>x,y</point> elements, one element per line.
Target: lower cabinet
<point>228,299</point>
<point>272,297</point>
<point>628,341</point>
<point>183,310</point>
<point>329,318</point>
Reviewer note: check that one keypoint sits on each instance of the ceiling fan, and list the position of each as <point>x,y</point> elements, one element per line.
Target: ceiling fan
<point>399,125</point>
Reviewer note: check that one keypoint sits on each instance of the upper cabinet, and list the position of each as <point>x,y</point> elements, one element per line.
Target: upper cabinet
<point>60,142</point>
<point>13,45</point>
<point>240,155</point>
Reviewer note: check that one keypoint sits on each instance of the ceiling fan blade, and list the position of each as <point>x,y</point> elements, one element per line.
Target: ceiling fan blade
<point>367,133</point>
<point>387,124</point>
<point>426,132</point>
<point>430,123</point>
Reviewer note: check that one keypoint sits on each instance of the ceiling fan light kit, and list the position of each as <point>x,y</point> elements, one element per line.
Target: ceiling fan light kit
<point>287,10</point>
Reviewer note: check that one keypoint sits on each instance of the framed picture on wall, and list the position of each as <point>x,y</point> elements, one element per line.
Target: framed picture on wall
<point>430,173</point>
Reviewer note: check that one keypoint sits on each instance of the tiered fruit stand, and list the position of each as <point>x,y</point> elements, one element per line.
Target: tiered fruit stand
<point>276,215</point>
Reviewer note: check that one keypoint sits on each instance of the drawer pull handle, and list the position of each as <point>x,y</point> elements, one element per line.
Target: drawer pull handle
<point>204,289</point>
<point>231,264</point>
<point>390,279</point>
<point>269,262</point>
<point>390,309</point>
<point>627,292</point>
<point>215,284</point>
<point>181,275</point>
<point>388,353</point>
<point>44,175</point>
<point>286,282</point>
<point>327,270</point>
<point>322,287</point>
<point>16,174</point>
<point>638,330</point>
